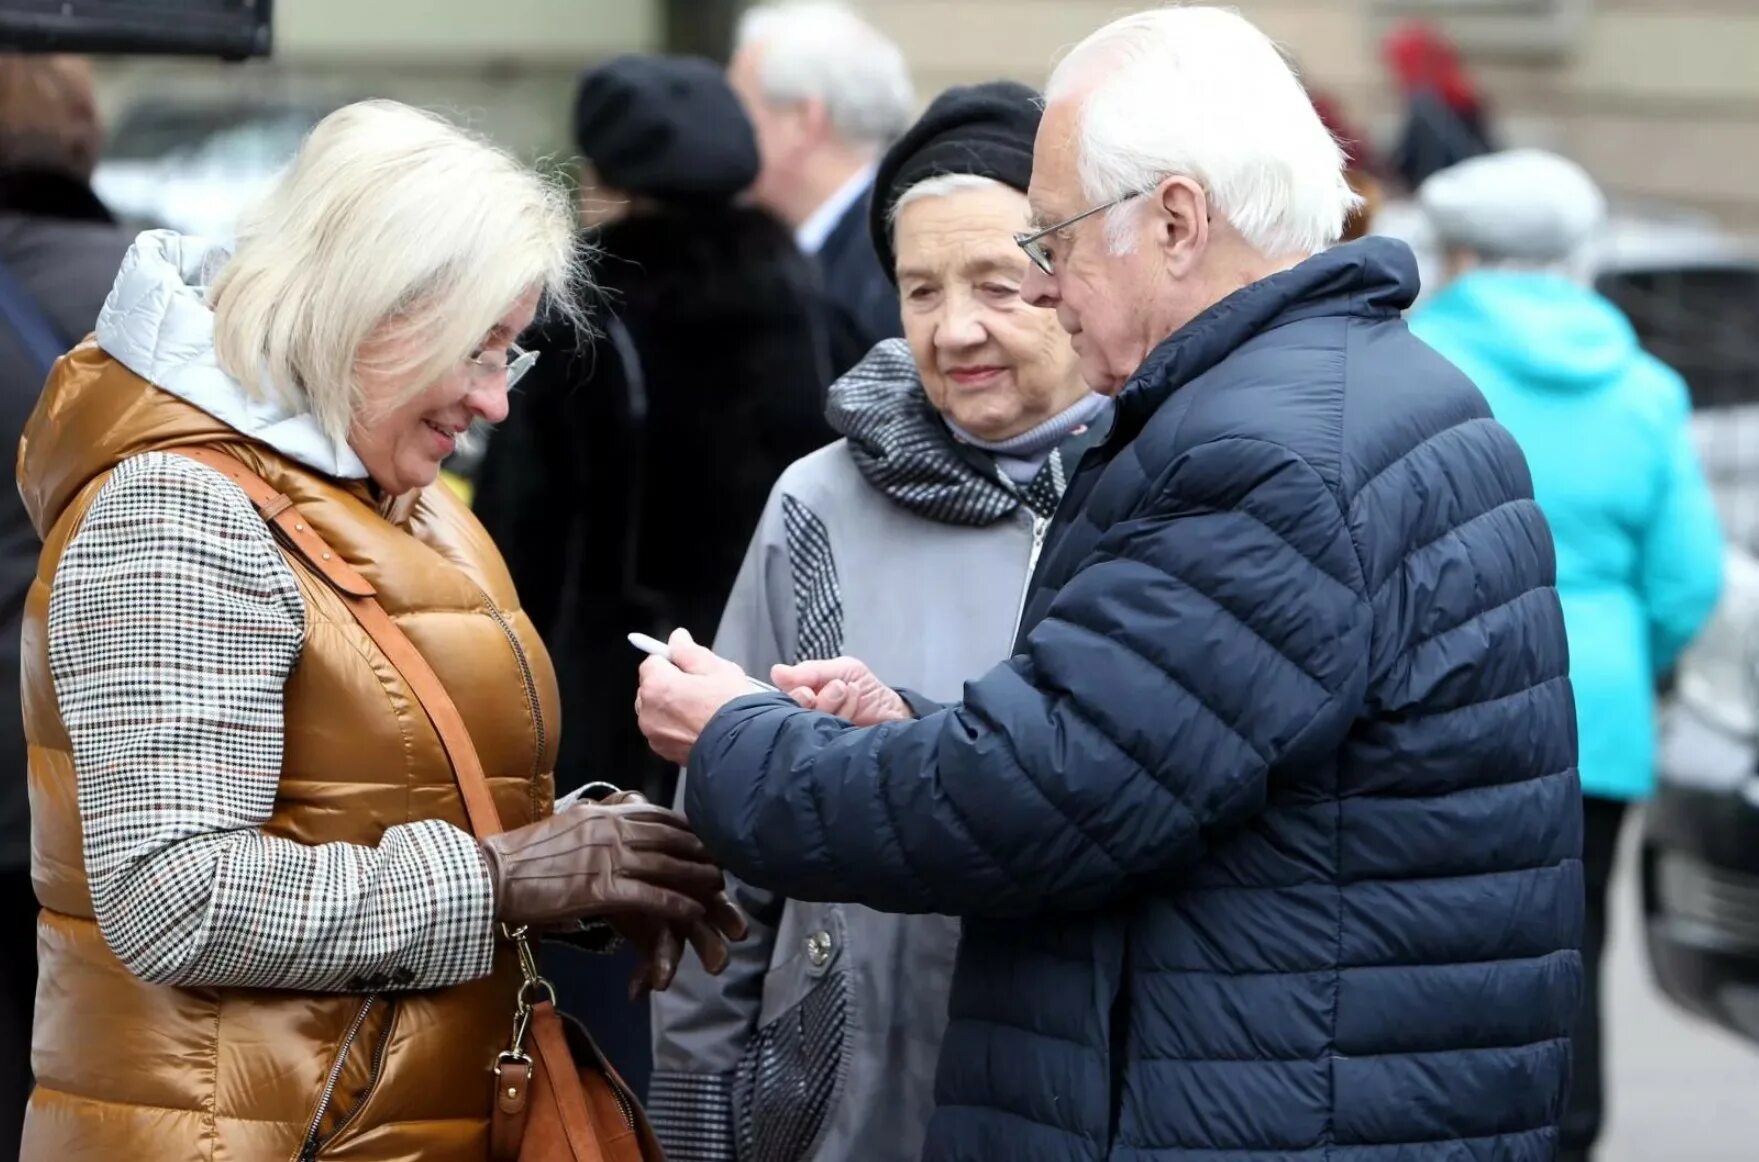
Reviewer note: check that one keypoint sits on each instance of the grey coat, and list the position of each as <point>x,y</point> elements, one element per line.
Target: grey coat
<point>819,1041</point>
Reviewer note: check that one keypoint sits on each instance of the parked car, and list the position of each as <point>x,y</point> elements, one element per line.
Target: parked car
<point>1700,844</point>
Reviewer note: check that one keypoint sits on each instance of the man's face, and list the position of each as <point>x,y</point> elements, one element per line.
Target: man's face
<point>779,130</point>
<point>1114,306</point>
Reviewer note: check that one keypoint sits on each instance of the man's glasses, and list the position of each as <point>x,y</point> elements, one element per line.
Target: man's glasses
<point>1033,243</point>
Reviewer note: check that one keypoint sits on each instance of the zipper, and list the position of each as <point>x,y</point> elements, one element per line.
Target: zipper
<point>624,1104</point>
<point>1039,526</point>
<point>312,1144</point>
<point>531,698</point>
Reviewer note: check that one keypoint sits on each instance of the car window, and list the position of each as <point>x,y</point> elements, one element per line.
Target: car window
<point>1701,322</point>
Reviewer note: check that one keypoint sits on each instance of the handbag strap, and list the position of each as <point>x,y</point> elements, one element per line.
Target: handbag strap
<point>24,313</point>
<point>284,517</point>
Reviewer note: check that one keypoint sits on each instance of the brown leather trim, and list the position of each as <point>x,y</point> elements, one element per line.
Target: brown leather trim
<point>549,1045</point>
<point>280,513</point>
<point>357,591</point>
<point>512,1109</point>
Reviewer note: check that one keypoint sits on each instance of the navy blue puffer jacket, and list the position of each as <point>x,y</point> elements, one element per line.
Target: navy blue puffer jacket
<point>1267,838</point>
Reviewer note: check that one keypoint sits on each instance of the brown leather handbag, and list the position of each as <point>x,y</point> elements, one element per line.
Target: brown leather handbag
<point>556,1097</point>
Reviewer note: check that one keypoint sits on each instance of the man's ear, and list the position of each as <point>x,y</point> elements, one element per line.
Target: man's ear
<point>814,117</point>
<point>1180,210</point>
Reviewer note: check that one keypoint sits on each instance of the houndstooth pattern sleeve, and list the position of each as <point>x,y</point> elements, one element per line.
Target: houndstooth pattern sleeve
<point>174,623</point>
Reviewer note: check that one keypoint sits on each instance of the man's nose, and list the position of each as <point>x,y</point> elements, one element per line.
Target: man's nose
<point>1038,288</point>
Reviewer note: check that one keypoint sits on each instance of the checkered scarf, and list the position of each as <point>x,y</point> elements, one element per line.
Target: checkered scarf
<point>904,449</point>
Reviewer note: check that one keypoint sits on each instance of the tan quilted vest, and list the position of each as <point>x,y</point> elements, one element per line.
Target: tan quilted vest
<point>129,1070</point>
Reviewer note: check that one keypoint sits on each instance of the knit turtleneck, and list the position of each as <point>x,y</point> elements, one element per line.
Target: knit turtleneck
<point>1021,456</point>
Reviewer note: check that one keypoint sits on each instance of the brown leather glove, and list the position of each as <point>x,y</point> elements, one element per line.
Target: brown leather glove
<point>635,865</point>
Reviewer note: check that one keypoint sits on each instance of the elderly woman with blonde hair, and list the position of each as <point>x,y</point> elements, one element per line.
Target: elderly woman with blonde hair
<point>276,891</point>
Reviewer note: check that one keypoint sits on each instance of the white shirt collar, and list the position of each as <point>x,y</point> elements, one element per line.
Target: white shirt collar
<point>812,233</point>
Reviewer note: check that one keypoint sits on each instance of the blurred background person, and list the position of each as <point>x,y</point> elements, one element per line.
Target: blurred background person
<point>59,250</point>
<point>1445,119</point>
<point>706,382</point>
<point>709,375</point>
<point>910,538</point>
<point>827,93</point>
<point>249,842</point>
<point>1604,428</point>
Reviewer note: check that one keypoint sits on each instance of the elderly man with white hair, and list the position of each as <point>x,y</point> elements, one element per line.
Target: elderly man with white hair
<point>827,93</point>
<point>1266,840</point>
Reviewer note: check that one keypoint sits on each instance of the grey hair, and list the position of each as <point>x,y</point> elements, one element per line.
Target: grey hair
<point>390,217</point>
<point>817,49</point>
<point>939,186</point>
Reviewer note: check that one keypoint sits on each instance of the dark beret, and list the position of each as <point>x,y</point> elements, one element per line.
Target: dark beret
<point>986,130</point>
<point>665,127</point>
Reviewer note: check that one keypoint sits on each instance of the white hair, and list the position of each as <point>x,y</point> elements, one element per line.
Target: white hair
<point>1201,93</point>
<point>390,221</point>
<point>939,186</point>
<point>815,49</point>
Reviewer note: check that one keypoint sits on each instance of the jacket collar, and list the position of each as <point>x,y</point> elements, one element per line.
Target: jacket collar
<point>37,193</point>
<point>1372,278</point>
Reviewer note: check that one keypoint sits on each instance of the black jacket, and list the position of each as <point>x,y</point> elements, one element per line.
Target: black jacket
<point>862,301</point>
<point>632,470</point>
<point>63,248</point>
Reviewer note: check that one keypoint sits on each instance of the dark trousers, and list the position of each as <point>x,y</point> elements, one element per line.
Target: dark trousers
<point>1602,819</point>
<point>18,1000</point>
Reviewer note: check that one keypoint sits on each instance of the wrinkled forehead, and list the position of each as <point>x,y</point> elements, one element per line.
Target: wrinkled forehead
<point>1055,191</point>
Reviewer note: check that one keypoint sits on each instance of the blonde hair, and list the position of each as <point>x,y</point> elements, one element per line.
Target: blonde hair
<point>392,223</point>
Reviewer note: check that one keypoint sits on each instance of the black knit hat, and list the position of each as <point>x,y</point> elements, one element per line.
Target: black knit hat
<point>665,127</point>
<point>986,130</point>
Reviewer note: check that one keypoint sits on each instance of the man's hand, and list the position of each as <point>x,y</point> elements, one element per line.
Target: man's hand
<point>844,687</point>
<point>678,698</point>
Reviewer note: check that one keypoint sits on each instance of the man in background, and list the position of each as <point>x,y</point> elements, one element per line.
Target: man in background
<point>826,93</point>
<point>59,251</point>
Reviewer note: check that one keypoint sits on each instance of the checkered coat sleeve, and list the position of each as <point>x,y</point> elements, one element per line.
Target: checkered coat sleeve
<point>174,623</point>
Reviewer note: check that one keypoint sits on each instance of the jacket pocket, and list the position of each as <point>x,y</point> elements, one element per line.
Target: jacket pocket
<point>793,1070</point>
<point>352,1077</point>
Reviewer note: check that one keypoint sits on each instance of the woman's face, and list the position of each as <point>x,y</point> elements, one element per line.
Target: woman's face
<point>990,363</point>
<point>402,441</point>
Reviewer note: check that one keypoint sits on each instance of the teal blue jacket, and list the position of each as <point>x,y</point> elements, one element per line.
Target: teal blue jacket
<point>1604,426</point>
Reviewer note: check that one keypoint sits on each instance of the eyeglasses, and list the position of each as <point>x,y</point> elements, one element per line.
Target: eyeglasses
<point>1033,243</point>
<point>515,362</point>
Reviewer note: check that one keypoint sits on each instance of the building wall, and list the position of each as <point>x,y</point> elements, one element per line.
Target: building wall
<point>1659,98</point>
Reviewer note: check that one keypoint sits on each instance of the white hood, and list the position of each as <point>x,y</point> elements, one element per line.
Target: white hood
<point>156,323</point>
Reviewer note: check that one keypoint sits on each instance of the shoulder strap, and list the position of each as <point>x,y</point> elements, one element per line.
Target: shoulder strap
<point>25,315</point>
<point>357,592</point>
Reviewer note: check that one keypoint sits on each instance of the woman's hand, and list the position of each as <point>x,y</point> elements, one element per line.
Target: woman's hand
<point>844,687</point>
<point>637,866</point>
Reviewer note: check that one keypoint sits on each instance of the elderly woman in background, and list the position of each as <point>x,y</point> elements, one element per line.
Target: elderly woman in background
<point>266,930</point>
<point>1604,428</point>
<point>911,538</point>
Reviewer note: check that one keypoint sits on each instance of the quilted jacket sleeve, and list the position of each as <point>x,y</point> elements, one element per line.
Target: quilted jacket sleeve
<point>1212,636</point>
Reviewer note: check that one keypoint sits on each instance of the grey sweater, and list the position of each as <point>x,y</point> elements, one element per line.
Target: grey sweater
<point>820,1040</point>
